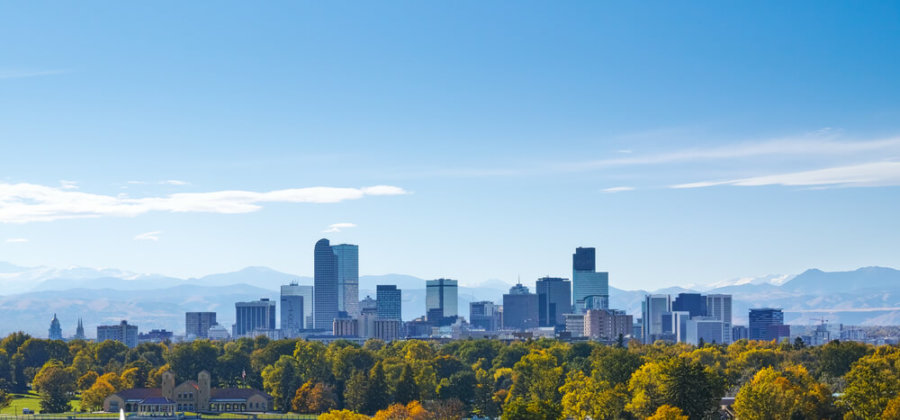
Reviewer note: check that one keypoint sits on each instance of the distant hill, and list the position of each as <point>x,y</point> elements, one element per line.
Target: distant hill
<point>867,296</point>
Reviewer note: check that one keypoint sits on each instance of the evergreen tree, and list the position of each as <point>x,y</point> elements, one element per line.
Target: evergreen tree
<point>406,386</point>
<point>356,391</point>
<point>378,397</point>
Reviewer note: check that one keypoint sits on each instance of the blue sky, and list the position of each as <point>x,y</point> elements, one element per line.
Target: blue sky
<point>689,142</point>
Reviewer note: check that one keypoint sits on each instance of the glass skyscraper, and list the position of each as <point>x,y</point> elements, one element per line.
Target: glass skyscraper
<point>590,289</point>
<point>292,309</point>
<point>520,308</point>
<point>693,303</point>
<point>554,300</point>
<point>387,301</point>
<point>325,285</point>
<point>440,299</point>
<point>652,309</point>
<point>768,324</point>
<point>347,278</point>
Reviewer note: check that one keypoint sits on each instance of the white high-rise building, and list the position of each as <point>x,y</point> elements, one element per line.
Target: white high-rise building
<point>652,309</point>
<point>296,309</point>
<point>719,307</point>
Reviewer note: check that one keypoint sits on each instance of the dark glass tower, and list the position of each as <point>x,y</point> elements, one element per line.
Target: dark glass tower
<point>387,301</point>
<point>554,300</point>
<point>694,303</point>
<point>584,259</point>
<point>325,285</point>
<point>766,324</point>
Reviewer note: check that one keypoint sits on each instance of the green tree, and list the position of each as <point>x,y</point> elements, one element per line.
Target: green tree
<point>186,360</point>
<point>55,383</point>
<point>356,392</point>
<point>281,382</point>
<point>783,396</point>
<point>5,399</point>
<point>872,382</point>
<point>836,358</point>
<point>87,380</point>
<point>378,396</point>
<point>679,382</point>
<point>406,387</point>
<point>109,351</point>
<point>584,397</point>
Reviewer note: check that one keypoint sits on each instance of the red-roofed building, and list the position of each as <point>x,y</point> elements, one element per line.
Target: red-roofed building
<point>194,396</point>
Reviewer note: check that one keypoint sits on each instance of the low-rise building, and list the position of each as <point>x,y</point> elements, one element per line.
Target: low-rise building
<point>194,396</point>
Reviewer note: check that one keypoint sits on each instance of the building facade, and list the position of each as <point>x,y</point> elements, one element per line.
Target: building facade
<point>652,309</point>
<point>767,324</point>
<point>441,297</point>
<point>590,289</point>
<point>195,396</point>
<point>520,309</point>
<point>575,325</point>
<point>347,262</point>
<point>325,285</point>
<point>123,332</point>
<point>388,302</point>
<point>719,307</point>
<point>554,300</point>
<point>693,303</point>
<point>293,311</point>
<point>607,324</point>
<point>485,315</point>
<point>254,317</point>
<point>196,324</point>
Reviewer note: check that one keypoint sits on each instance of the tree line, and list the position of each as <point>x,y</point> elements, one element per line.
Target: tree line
<point>533,379</point>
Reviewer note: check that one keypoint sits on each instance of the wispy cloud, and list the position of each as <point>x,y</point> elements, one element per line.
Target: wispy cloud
<point>175,182</point>
<point>148,236</point>
<point>16,240</point>
<point>337,227</point>
<point>810,146</point>
<point>617,189</point>
<point>862,175</point>
<point>21,74</point>
<point>68,185</point>
<point>23,202</point>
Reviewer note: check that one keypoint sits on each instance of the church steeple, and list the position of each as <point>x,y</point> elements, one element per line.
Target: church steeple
<point>79,332</point>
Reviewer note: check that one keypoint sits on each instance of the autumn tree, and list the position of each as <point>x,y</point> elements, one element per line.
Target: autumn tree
<point>785,395</point>
<point>92,399</point>
<point>314,398</point>
<point>55,383</point>
<point>585,397</point>
<point>281,382</point>
<point>872,383</point>
<point>342,415</point>
<point>667,412</point>
<point>87,380</point>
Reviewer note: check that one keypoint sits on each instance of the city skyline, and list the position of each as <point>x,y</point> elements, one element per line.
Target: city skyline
<point>473,146</point>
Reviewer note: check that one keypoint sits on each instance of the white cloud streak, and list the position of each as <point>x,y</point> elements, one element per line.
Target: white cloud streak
<point>68,185</point>
<point>21,74</point>
<point>871,174</point>
<point>148,236</point>
<point>16,240</point>
<point>24,203</point>
<point>337,227</point>
<point>617,189</point>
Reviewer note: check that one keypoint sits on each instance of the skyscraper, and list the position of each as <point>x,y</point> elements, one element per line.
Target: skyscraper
<point>197,324</point>
<point>440,299</point>
<point>387,301</point>
<point>325,286</point>
<point>554,300</point>
<point>293,309</point>
<point>719,307</point>
<point>693,303</point>
<point>768,324</point>
<point>520,308</point>
<point>652,309</point>
<point>590,289</point>
<point>347,278</point>
<point>254,315</point>
<point>55,329</point>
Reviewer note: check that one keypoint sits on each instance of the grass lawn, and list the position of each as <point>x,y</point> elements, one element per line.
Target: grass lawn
<point>33,401</point>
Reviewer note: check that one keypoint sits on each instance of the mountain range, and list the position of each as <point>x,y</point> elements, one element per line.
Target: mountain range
<point>29,296</point>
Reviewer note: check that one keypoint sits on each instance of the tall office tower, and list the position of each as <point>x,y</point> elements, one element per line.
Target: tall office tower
<point>440,299</point>
<point>55,329</point>
<point>768,324</point>
<point>252,316</point>
<point>739,332</point>
<point>197,324</point>
<point>484,314</point>
<point>124,333</point>
<point>365,323</point>
<point>554,300</point>
<point>292,310</point>
<point>520,308</point>
<point>387,301</point>
<point>590,289</point>
<point>79,331</point>
<point>694,303</point>
<point>325,286</point>
<point>306,292</point>
<point>347,278</point>
<point>719,307</point>
<point>652,309</point>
